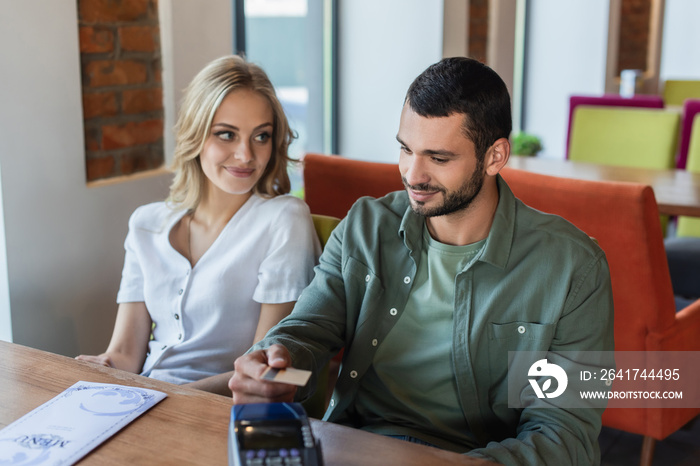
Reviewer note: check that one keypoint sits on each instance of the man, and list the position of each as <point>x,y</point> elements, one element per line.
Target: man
<point>428,289</point>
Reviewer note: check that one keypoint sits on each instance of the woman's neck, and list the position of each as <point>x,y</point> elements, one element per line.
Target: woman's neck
<point>216,208</point>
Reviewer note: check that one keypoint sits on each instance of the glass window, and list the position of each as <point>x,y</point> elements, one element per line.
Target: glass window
<point>294,41</point>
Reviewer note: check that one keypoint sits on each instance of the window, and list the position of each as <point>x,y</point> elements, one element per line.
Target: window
<point>294,41</point>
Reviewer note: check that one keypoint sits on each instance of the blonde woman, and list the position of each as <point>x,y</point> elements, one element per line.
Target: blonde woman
<point>225,257</point>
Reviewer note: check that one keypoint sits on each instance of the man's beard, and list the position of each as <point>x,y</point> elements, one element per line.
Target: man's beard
<point>454,201</point>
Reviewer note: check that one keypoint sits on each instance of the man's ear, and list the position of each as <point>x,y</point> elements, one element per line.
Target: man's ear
<point>497,156</point>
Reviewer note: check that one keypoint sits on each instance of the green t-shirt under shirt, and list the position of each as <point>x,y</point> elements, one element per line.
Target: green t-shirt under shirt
<point>411,381</point>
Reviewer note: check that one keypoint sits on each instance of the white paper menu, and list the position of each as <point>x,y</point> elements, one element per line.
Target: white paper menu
<point>70,425</point>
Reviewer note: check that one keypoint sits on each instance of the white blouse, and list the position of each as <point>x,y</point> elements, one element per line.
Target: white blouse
<point>206,316</point>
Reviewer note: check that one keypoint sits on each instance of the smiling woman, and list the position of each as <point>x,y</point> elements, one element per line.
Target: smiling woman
<point>211,269</point>
<point>239,146</point>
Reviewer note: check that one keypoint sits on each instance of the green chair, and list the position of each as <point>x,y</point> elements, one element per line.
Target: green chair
<point>324,225</point>
<point>316,405</point>
<point>632,137</point>
<point>690,226</point>
<point>676,91</point>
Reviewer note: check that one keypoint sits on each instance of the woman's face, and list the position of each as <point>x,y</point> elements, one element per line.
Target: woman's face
<point>239,144</point>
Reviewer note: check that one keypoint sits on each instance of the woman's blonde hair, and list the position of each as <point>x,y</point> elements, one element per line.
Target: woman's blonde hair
<point>202,99</point>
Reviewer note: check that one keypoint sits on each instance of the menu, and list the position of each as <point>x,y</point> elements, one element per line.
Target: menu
<point>70,425</point>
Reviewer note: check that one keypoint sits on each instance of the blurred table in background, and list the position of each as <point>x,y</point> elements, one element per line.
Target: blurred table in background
<point>677,192</point>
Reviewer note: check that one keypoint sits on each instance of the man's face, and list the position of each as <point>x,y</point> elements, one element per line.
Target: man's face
<point>438,164</point>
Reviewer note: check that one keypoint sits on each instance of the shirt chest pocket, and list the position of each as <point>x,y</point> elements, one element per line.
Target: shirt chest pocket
<point>515,336</point>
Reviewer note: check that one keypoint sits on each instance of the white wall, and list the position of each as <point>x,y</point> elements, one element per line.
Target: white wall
<point>680,51</point>
<point>566,47</point>
<point>455,31</point>
<point>500,53</point>
<point>383,46</point>
<point>5,315</point>
<point>63,240</point>
<point>191,37</point>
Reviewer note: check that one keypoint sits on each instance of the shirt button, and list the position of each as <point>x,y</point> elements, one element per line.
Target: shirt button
<point>177,316</point>
<point>353,374</point>
<point>332,402</point>
<point>521,329</point>
<point>164,346</point>
<point>367,278</point>
<point>375,342</point>
<point>180,292</point>
<point>393,311</point>
<point>179,337</point>
<point>407,280</point>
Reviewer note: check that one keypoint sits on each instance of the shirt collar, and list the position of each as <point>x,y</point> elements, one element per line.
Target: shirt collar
<point>411,228</point>
<point>499,240</point>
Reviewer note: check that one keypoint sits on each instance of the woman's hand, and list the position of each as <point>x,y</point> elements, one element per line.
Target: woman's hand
<point>102,359</point>
<point>129,344</point>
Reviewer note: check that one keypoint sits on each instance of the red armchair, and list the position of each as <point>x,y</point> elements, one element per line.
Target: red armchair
<point>332,183</point>
<point>622,217</point>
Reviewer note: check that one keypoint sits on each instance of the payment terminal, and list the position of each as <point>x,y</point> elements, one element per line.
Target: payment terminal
<point>262,434</point>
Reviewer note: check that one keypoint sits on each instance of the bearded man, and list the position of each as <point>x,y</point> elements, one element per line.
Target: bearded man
<point>428,289</point>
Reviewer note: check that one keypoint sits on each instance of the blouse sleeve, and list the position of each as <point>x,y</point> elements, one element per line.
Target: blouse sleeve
<point>131,287</point>
<point>293,251</point>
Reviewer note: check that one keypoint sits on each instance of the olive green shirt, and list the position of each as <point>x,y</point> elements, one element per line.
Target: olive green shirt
<point>538,284</point>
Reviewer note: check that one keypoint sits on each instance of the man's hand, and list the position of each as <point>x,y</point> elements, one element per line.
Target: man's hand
<point>247,384</point>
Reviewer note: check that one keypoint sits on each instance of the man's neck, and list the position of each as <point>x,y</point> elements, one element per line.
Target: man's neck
<point>468,225</point>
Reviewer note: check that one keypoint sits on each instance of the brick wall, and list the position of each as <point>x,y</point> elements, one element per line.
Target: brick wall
<point>122,87</point>
<point>478,29</point>
<point>634,35</point>
<point>634,32</point>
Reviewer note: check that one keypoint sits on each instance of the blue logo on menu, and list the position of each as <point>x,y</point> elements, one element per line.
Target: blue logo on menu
<point>42,441</point>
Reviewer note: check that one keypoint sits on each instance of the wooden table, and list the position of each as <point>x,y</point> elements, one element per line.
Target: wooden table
<point>677,192</point>
<point>187,427</point>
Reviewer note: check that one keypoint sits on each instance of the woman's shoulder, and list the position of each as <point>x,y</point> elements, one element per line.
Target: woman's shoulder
<point>152,217</point>
<point>285,203</point>
<point>284,210</point>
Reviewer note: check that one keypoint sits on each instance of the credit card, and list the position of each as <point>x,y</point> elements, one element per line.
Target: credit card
<point>289,375</point>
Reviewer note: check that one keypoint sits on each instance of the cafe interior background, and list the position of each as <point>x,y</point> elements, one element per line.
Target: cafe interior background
<point>341,67</point>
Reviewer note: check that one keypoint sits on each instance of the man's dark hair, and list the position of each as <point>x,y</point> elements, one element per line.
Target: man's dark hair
<point>464,86</point>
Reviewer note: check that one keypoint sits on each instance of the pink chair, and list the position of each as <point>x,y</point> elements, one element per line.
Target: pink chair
<point>610,100</point>
<point>690,108</point>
